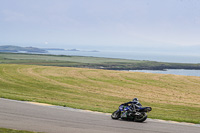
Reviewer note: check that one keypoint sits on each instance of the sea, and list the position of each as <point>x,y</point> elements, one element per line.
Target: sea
<point>138,55</point>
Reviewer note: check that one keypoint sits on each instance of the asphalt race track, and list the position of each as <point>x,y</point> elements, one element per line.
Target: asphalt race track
<point>54,119</point>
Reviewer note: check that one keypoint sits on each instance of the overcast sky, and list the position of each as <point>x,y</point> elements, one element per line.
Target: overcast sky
<point>59,23</point>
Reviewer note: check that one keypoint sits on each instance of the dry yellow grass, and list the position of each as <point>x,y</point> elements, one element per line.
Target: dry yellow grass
<point>160,88</point>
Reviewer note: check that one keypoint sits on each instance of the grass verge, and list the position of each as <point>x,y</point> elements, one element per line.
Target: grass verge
<point>5,130</point>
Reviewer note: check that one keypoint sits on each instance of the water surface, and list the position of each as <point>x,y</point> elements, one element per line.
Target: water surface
<point>173,71</point>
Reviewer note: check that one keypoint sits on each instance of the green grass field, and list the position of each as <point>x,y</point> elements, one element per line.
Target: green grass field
<point>172,97</point>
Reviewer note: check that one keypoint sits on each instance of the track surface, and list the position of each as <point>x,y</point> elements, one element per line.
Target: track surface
<point>54,119</point>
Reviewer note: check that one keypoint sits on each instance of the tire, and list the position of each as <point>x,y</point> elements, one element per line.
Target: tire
<point>115,115</point>
<point>141,118</point>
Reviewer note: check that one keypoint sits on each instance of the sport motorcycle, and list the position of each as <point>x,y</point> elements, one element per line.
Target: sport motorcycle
<point>132,112</point>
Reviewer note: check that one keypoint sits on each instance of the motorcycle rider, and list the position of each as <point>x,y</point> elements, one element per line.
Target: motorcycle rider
<point>134,103</point>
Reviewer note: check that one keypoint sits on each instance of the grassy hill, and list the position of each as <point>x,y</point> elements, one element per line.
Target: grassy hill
<point>90,62</point>
<point>172,97</point>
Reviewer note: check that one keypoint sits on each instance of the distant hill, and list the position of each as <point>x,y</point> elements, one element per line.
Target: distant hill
<point>15,49</point>
<point>54,49</point>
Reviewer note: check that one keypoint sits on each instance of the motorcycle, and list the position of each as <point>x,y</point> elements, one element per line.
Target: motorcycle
<point>137,113</point>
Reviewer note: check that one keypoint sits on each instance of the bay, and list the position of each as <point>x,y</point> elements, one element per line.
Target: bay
<point>172,71</point>
<point>135,55</point>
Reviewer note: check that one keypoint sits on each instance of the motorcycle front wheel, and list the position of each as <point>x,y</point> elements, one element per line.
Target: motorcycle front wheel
<point>115,115</point>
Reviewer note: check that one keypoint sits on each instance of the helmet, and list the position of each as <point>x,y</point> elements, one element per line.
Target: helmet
<point>135,100</point>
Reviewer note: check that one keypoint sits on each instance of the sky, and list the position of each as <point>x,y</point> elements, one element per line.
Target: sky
<point>100,23</point>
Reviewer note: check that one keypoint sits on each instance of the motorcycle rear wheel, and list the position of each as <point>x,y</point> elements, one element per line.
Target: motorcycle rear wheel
<point>141,117</point>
